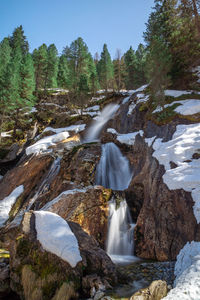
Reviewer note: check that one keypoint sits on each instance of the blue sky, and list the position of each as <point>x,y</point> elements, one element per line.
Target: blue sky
<point>118,23</point>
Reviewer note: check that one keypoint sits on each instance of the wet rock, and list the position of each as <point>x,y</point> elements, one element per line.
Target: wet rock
<point>38,274</point>
<point>156,291</point>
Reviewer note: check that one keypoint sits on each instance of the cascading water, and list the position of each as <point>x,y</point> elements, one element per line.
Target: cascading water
<point>120,240</point>
<point>93,132</point>
<point>113,170</point>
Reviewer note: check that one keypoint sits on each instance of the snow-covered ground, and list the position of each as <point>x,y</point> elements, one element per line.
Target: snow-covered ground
<point>176,93</point>
<point>187,272</point>
<point>6,204</point>
<point>55,236</point>
<point>186,107</point>
<point>126,138</point>
<point>185,142</point>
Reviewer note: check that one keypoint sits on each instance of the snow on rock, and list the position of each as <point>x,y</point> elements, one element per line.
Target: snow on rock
<point>142,88</point>
<point>6,134</point>
<point>43,144</point>
<point>176,93</point>
<point>142,98</point>
<point>6,204</point>
<point>126,138</point>
<point>186,107</point>
<point>55,236</point>
<point>150,141</point>
<point>93,108</point>
<point>131,108</point>
<point>187,271</point>
<point>126,100</point>
<point>76,128</point>
<point>185,142</point>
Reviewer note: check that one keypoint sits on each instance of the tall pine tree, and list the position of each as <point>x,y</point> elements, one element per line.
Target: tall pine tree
<point>105,69</point>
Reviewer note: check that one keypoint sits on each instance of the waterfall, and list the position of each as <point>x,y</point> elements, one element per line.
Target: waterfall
<point>120,239</point>
<point>113,170</point>
<point>94,130</point>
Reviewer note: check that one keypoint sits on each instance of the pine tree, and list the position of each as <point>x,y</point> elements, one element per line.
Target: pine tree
<point>141,60</point>
<point>52,67</point>
<point>119,70</point>
<point>63,78</point>
<point>5,57</point>
<point>28,80</point>
<point>105,69</point>
<point>130,65</point>
<point>40,60</point>
<point>93,77</point>
<point>77,56</point>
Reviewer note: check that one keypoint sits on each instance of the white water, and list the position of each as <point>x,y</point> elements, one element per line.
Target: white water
<point>113,170</point>
<point>94,130</point>
<point>120,240</point>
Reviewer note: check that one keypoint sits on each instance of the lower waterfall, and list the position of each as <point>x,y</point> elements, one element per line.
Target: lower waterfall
<point>120,240</point>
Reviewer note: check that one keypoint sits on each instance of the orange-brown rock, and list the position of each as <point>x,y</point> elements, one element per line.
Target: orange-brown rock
<point>88,207</point>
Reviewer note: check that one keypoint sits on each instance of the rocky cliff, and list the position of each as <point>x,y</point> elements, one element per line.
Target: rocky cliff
<point>58,175</point>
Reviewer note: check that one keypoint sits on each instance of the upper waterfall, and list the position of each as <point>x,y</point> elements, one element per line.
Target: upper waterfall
<point>113,170</point>
<point>93,132</point>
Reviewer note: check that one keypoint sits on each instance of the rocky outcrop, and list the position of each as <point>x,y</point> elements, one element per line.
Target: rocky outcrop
<point>156,291</point>
<point>38,274</point>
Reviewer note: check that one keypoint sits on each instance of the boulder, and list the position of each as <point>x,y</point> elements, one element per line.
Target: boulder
<point>156,291</point>
<point>36,273</point>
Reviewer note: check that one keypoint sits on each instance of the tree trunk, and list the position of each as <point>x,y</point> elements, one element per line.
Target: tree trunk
<point>196,15</point>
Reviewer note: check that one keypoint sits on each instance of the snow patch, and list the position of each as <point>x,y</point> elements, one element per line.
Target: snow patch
<point>43,144</point>
<point>131,108</point>
<point>55,236</point>
<point>7,203</point>
<point>187,271</point>
<point>125,100</point>
<point>186,107</point>
<point>185,142</point>
<point>76,128</point>
<point>126,138</point>
<point>142,88</point>
<point>150,141</point>
<point>176,93</point>
<point>93,108</point>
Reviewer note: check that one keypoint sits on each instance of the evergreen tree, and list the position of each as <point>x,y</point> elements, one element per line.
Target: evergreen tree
<point>130,65</point>
<point>105,69</point>
<point>63,77</point>
<point>77,56</point>
<point>119,70</point>
<point>93,77</point>
<point>18,41</point>
<point>40,60</point>
<point>141,60</point>
<point>28,80</point>
<point>52,67</point>
<point>5,56</point>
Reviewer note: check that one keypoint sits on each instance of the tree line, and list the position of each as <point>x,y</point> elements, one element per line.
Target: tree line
<point>171,50</point>
<point>24,74</point>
